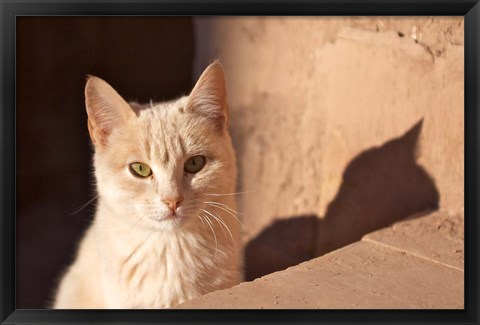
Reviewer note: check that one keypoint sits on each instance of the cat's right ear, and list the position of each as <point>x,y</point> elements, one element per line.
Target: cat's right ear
<point>209,96</point>
<point>106,109</point>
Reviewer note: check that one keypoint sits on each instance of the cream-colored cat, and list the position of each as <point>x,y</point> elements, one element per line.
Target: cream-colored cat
<point>165,230</point>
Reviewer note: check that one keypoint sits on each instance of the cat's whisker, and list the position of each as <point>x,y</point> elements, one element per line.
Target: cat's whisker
<point>210,224</point>
<point>238,220</point>
<point>221,222</point>
<point>223,205</point>
<point>232,212</point>
<point>221,227</point>
<point>228,194</point>
<point>216,207</point>
<point>83,206</point>
<point>203,222</point>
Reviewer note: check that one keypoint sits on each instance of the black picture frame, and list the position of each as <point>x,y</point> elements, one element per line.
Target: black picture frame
<point>11,9</point>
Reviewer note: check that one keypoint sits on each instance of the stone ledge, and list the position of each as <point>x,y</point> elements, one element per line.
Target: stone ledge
<point>437,236</point>
<point>400,267</point>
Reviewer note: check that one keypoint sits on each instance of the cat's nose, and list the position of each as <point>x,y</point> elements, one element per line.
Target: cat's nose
<point>173,202</point>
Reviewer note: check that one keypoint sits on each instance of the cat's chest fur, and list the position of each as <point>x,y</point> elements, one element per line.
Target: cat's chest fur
<point>157,270</point>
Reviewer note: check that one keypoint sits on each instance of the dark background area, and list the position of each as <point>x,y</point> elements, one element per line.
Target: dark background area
<point>142,58</point>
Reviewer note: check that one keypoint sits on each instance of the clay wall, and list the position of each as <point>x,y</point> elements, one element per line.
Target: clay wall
<point>342,125</point>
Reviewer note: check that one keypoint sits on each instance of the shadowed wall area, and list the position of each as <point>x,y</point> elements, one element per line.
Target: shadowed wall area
<point>142,58</point>
<point>380,186</point>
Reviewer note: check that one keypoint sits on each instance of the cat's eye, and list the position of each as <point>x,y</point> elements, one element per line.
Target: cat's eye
<point>140,169</point>
<point>194,164</point>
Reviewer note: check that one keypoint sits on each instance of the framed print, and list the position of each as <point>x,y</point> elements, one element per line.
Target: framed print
<point>218,162</point>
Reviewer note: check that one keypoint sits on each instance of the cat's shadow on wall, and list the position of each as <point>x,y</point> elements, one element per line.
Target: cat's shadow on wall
<point>380,186</point>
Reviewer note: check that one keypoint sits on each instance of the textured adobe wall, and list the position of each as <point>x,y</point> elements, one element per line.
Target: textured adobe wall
<point>341,126</point>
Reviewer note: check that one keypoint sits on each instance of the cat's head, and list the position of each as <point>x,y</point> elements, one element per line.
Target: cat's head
<point>157,164</point>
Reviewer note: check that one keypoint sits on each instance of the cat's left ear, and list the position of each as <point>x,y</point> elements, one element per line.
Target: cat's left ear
<point>209,96</point>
